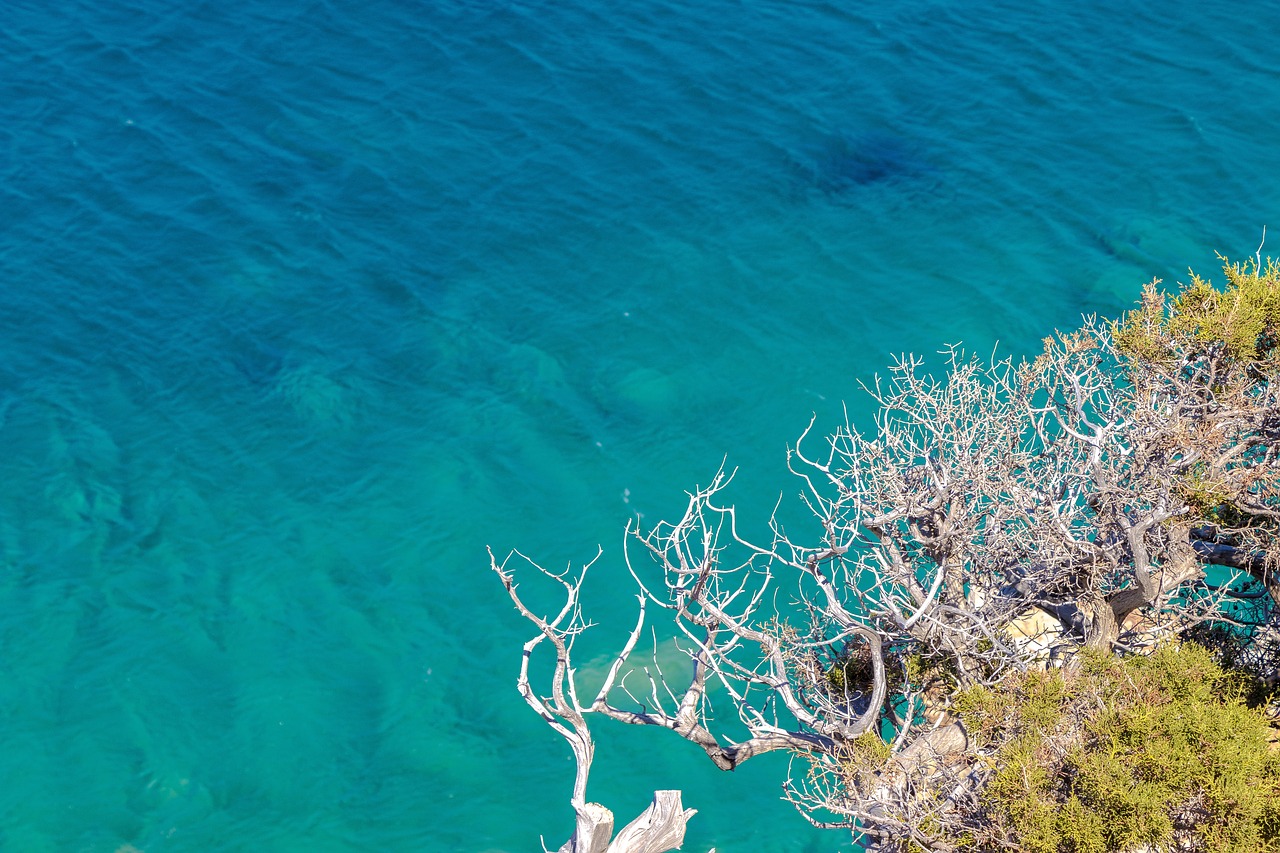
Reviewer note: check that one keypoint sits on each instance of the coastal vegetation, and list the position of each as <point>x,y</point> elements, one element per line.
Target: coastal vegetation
<point>1034,608</point>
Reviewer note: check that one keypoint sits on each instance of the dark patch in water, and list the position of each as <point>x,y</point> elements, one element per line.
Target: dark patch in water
<point>843,163</point>
<point>259,363</point>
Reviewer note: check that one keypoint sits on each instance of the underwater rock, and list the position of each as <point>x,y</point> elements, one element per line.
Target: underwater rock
<point>646,391</point>
<point>534,373</point>
<point>313,394</point>
<point>536,381</point>
<point>260,364</point>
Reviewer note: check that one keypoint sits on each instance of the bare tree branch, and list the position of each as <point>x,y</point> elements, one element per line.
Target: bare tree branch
<point>993,521</point>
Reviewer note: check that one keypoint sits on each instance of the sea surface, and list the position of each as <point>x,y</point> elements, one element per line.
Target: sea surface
<point>305,303</point>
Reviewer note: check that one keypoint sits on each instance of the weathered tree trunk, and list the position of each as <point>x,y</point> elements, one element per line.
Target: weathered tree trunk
<point>909,779</point>
<point>594,829</point>
<point>658,829</point>
<point>1098,622</point>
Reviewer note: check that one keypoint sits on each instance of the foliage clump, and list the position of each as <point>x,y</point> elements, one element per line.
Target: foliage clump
<point>1240,322</point>
<point>1115,754</point>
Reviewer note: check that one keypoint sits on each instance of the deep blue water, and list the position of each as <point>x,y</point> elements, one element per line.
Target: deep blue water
<point>303,304</point>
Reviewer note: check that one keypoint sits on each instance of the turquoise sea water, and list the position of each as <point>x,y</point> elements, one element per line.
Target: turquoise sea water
<point>303,304</point>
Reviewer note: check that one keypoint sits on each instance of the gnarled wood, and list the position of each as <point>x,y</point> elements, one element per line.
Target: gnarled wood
<point>593,831</point>
<point>659,828</point>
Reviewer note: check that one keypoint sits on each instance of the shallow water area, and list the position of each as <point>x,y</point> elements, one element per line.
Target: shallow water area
<point>303,306</point>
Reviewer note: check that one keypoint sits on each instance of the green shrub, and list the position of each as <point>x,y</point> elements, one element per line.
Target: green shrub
<point>1243,318</point>
<point>1119,753</point>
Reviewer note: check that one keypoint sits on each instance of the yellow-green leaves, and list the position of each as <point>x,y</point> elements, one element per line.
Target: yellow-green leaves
<point>1119,753</point>
<point>1243,318</point>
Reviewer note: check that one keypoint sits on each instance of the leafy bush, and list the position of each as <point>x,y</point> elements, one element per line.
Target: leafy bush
<point>1121,753</point>
<point>1241,321</point>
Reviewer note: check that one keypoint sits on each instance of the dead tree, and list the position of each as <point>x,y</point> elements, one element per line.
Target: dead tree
<point>1128,476</point>
<point>661,826</point>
